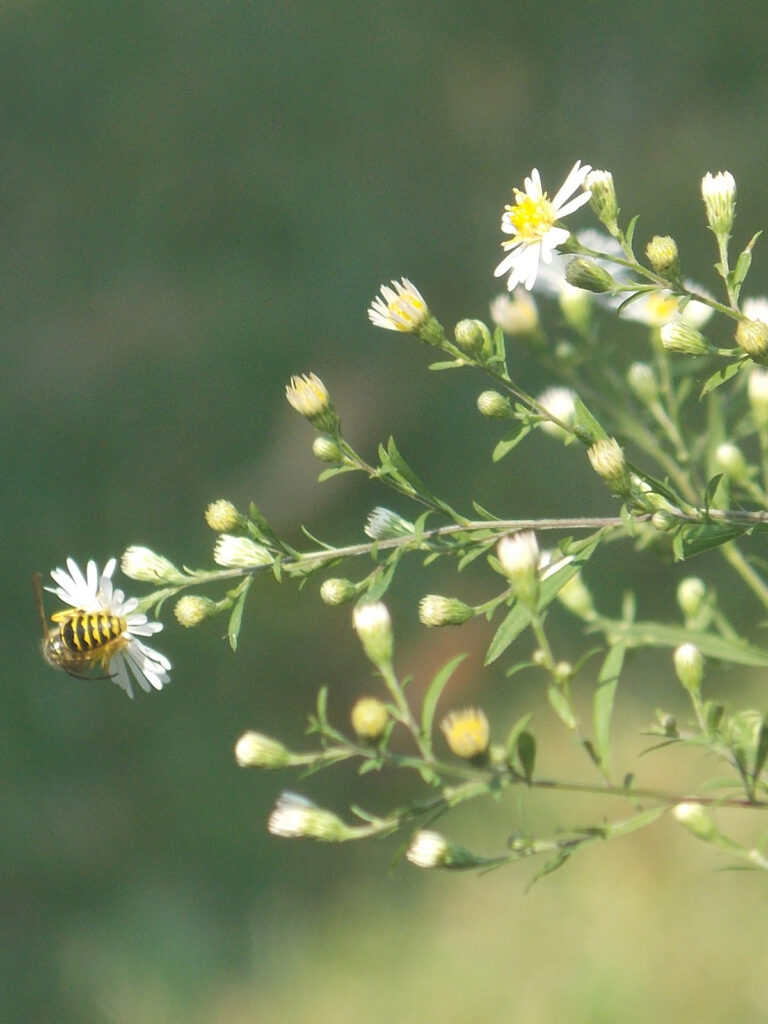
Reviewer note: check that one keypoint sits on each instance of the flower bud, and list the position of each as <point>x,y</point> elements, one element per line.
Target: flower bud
<point>642,380</point>
<point>757,391</point>
<point>467,733</point>
<point>142,564</point>
<point>752,336</point>
<point>719,194</point>
<point>607,458</point>
<point>374,628</point>
<point>678,336</point>
<point>494,405</point>
<point>689,666</point>
<point>430,849</point>
<point>370,718</point>
<point>515,314</point>
<point>518,555</point>
<point>474,339</point>
<point>309,396</point>
<point>337,591</point>
<point>697,820</point>
<point>294,817</point>
<point>384,524</point>
<point>402,308</point>
<point>663,255</point>
<point>222,516</point>
<point>603,198</point>
<point>240,553</point>
<point>192,609</point>
<point>327,450</point>
<point>584,273</point>
<point>255,750</point>
<point>691,595</point>
<point>435,610</point>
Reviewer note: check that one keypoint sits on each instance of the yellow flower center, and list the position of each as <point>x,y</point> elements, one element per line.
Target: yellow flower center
<point>406,312</point>
<point>662,307</point>
<point>531,218</point>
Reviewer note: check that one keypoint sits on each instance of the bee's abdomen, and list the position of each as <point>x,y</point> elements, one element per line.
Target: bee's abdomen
<point>82,632</point>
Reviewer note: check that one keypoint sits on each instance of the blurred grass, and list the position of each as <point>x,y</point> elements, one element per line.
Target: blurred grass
<point>196,202</point>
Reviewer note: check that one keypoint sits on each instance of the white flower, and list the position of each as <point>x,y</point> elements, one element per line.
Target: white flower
<point>126,656</point>
<point>532,223</point>
<point>756,309</point>
<point>560,403</point>
<point>428,849</point>
<point>655,309</point>
<point>399,308</point>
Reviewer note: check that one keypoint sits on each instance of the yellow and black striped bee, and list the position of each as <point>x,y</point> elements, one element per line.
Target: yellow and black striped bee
<point>79,640</point>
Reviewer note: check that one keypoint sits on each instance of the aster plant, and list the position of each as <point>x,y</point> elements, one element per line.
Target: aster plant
<point>676,427</point>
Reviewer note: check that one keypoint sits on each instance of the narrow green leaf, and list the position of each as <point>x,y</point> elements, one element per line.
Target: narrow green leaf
<point>561,707</point>
<point>506,445</point>
<point>236,615</point>
<point>586,424</point>
<point>526,751</point>
<point>721,376</point>
<point>602,708</point>
<point>511,744</point>
<point>700,537</point>
<point>432,696</point>
<point>657,634</point>
<point>398,467</point>
<point>629,234</point>
<point>552,865</point>
<point>623,828</point>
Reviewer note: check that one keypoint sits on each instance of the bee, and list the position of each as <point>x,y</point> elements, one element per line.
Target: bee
<point>79,640</point>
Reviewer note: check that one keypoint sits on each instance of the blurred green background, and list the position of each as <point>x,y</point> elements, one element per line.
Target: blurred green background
<point>197,201</point>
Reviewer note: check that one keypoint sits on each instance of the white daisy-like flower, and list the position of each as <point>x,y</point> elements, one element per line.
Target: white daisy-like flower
<point>756,308</point>
<point>532,221</point>
<point>119,647</point>
<point>655,309</point>
<point>399,308</point>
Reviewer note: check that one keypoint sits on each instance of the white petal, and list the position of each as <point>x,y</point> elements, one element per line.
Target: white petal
<point>576,176</point>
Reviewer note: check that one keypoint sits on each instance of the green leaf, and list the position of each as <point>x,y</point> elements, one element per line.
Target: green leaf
<point>432,696</point>
<point>505,446</point>
<point>553,864</point>
<point>700,537</point>
<point>623,828</point>
<point>561,706</point>
<point>511,744</point>
<point>526,751</point>
<point>236,615</point>
<point>629,234</point>
<point>395,466</point>
<point>657,634</point>
<point>722,375</point>
<point>585,423</point>
<point>602,709</point>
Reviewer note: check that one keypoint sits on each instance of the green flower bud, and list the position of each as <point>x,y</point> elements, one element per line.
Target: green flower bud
<point>255,750</point>
<point>729,458</point>
<point>240,553</point>
<point>327,450</point>
<point>474,338</point>
<point>435,610</point>
<point>309,396</point>
<point>691,595</point>
<point>495,406</point>
<point>603,198</point>
<point>719,194</point>
<point>142,564</point>
<point>222,516</point>
<point>192,609</point>
<point>337,591</point>
<point>374,628</point>
<point>607,458</point>
<point>430,849</point>
<point>697,820</point>
<point>678,336</point>
<point>752,336</point>
<point>663,255</point>
<point>584,273</point>
<point>519,556</point>
<point>370,718</point>
<point>689,666</point>
<point>294,817</point>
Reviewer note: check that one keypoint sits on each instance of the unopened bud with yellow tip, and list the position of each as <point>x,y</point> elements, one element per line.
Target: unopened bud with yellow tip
<point>309,396</point>
<point>370,718</point>
<point>435,610</point>
<point>752,336</point>
<point>192,609</point>
<point>222,516</point>
<point>663,255</point>
<point>467,733</point>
